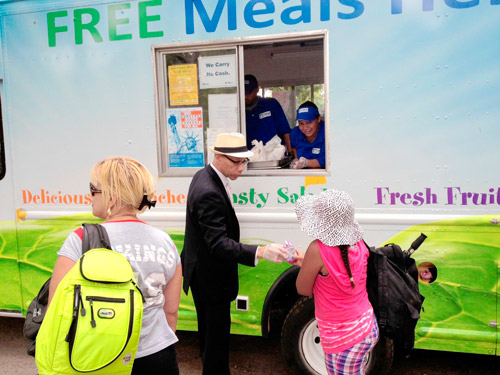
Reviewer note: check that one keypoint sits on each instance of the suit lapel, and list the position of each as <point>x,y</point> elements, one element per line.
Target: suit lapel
<point>234,225</point>
<point>219,183</point>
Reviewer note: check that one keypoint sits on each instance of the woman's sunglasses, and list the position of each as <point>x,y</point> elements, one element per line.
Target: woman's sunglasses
<point>94,190</point>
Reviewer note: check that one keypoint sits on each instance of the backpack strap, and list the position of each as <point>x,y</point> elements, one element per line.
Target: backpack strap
<point>94,237</point>
<point>376,284</point>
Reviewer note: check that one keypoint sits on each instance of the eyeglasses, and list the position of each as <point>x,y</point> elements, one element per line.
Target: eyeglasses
<point>94,190</point>
<point>239,162</point>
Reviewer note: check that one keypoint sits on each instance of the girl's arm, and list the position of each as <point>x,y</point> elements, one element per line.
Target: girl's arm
<point>172,294</point>
<point>311,265</point>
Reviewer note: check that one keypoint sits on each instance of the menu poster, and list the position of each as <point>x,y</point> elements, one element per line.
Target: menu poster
<point>182,85</point>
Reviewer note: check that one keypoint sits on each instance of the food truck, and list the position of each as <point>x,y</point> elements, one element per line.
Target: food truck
<point>409,92</point>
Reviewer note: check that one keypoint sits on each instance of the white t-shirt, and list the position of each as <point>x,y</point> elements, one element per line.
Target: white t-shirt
<point>154,259</point>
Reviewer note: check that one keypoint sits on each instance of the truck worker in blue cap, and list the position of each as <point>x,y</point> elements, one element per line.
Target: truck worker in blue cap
<point>264,116</point>
<point>308,139</point>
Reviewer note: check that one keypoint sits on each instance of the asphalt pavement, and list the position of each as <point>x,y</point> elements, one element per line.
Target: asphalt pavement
<point>253,356</point>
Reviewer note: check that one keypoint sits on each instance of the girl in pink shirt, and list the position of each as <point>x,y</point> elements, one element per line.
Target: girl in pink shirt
<point>334,271</point>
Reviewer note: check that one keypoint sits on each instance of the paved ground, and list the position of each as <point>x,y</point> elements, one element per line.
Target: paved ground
<point>253,356</point>
<point>249,356</point>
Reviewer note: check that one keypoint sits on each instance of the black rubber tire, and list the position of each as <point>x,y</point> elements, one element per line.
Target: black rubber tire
<point>380,359</point>
<point>300,316</point>
<point>299,321</point>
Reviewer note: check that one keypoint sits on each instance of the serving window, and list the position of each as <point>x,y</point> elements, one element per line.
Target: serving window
<point>200,92</point>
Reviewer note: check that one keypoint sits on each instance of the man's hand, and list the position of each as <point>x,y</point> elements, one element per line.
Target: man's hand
<point>273,252</point>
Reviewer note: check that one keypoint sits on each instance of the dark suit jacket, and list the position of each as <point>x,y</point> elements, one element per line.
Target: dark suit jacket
<point>211,243</point>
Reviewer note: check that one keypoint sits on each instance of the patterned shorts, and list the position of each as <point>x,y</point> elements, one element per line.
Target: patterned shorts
<point>353,360</point>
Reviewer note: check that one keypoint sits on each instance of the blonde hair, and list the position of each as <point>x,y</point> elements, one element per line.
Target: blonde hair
<point>124,182</point>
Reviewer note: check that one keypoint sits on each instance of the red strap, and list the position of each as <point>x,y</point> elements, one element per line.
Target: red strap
<point>79,232</point>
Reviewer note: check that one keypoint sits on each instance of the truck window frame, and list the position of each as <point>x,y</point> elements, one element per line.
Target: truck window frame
<point>2,145</point>
<point>160,65</point>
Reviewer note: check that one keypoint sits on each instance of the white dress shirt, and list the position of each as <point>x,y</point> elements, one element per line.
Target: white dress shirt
<point>225,182</point>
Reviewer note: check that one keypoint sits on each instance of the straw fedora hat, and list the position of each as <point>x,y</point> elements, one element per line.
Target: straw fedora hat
<point>329,217</point>
<point>233,144</point>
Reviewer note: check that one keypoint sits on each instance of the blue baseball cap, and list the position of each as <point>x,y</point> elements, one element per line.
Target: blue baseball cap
<point>307,113</point>
<point>250,83</point>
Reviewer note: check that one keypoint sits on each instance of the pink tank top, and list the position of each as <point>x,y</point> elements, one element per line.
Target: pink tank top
<point>344,315</point>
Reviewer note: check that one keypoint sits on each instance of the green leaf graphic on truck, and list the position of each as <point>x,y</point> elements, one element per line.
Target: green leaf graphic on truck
<point>26,267</point>
<point>458,310</point>
<point>461,304</point>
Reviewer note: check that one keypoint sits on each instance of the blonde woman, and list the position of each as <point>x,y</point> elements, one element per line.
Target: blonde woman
<point>121,188</point>
<point>334,271</point>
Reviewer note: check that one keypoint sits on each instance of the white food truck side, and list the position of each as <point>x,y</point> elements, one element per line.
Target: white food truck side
<point>409,92</point>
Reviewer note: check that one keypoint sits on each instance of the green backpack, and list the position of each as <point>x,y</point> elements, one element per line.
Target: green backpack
<point>94,320</point>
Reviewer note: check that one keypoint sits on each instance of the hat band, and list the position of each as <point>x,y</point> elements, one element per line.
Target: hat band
<point>229,150</point>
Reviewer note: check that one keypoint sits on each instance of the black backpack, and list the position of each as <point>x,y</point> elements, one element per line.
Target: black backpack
<point>392,285</point>
<point>94,237</point>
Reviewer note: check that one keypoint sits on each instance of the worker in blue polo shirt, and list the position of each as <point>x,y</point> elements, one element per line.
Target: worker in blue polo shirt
<point>264,116</point>
<point>308,139</point>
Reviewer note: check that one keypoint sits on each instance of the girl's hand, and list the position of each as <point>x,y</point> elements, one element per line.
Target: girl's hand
<point>297,259</point>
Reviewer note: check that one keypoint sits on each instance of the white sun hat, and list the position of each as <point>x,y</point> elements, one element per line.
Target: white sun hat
<point>329,217</point>
<point>233,144</point>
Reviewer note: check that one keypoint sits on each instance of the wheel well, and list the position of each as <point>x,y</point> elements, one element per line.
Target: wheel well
<point>279,300</point>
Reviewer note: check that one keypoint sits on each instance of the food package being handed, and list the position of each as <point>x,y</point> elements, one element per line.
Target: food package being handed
<point>291,251</point>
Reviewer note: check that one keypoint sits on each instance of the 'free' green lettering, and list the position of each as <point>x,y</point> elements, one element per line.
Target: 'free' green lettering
<point>93,18</point>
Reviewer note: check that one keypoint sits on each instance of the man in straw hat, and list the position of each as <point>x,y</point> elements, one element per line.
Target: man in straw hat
<point>212,249</point>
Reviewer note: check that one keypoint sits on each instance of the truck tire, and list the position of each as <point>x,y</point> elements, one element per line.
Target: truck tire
<point>301,347</point>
